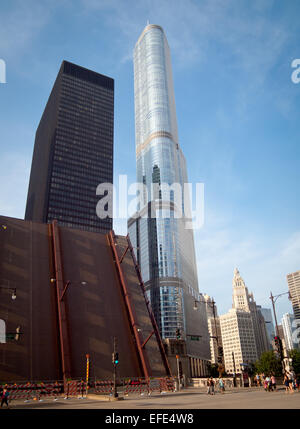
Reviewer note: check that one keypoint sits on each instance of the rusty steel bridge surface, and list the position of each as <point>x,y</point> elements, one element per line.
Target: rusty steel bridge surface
<point>76,292</point>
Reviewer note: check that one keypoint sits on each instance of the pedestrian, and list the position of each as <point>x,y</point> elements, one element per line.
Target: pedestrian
<point>4,397</point>
<point>221,385</point>
<point>293,380</point>
<point>286,382</point>
<point>290,379</point>
<point>257,380</point>
<point>266,384</point>
<point>268,381</point>
<point>270,384</point>
<point>234,379</point>
<point>273,381</point>
<point>212,386</point>
<point>208,386</point>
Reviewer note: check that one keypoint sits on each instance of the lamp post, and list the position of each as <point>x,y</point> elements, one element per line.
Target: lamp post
<point>178,371</point>
<point>212,304</point>
<point>274,299</point>
<point>234,368</point>
<point>115,361</point>
<point>216,337</point>
<point>67,284</point>
<point>14,293</point>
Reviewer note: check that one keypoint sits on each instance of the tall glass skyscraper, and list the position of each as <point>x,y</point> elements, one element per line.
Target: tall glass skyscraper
<point>164,245</point>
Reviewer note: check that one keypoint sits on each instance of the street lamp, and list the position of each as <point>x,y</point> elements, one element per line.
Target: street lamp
<point>82,283</point>
<point>216,337</point>
<point>212,304</point>
<point>273,304</point>
<point>115,361</point>
<point>14,293</point>
<point>274,299</point>
<point>234,369</point>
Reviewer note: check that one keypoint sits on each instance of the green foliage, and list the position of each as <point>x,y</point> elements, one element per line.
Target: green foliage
<point>213,370</point>
<point>251,369</point>
<point>268,363</point>
<point>295,355</point>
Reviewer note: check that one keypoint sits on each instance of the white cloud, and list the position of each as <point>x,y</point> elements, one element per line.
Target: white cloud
<point>263,262</point>
<point>253,40</point>
<point>241,38</point>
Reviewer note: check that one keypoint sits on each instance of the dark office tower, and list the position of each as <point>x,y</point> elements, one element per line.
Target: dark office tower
<point>73,151</point>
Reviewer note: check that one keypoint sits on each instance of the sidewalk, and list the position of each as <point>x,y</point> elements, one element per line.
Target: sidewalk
<point>191,396</point>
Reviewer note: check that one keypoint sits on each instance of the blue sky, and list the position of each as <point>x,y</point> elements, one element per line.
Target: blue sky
<point>237,111</point>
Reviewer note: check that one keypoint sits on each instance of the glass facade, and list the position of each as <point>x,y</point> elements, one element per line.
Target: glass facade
<point>81,150</point>
<point>165,249</point>
<point>172,308</point>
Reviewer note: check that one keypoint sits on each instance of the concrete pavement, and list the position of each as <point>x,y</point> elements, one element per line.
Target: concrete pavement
<point>189,398</point>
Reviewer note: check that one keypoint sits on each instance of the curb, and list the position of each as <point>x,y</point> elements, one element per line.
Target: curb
<point>104,397</point>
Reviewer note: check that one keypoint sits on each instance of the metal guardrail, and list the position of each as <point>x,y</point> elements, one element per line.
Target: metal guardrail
<point>31,391</point>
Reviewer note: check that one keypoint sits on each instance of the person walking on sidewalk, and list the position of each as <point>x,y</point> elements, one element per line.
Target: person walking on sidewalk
<point>257,379</point>
<point>4,397</point>
<point>208,386</point>
<point>293,379</point>
<point>212,386</point>
<point>286,382</point>
<point>221,385</point>
<point>273,381</point>
<point>290,378</point>
<point>266,384</point>
<point>269,384</point>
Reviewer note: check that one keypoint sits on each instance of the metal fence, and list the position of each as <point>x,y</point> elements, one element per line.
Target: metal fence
<point>55,390</point>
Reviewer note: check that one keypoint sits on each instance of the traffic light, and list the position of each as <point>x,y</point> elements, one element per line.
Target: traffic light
<point>278,346</point>
<point>178,334</point>
<point>115,358</point>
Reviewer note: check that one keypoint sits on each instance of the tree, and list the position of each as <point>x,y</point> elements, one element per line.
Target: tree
<point>213,370</point>
<point>251,369</point>
<point>295,356</point>
<point>268,363</point>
